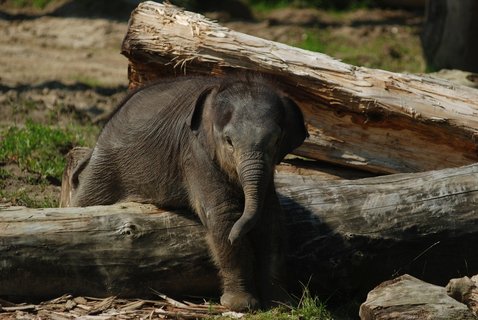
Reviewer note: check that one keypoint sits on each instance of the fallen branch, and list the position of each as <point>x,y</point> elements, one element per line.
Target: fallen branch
<point>69,307</point>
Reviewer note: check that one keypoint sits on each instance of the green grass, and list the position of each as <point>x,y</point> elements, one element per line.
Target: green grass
<point>312,42</point>
<point>39,148</point>
<point>39,4</point>
<point>22,197</point>
<point>309,308</point>
<point>88,81</point>
<point>262,6</point>
<point>4,174</point>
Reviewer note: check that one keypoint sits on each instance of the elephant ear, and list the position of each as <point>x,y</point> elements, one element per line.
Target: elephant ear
<point>195,116</point>
<point>294,128</point>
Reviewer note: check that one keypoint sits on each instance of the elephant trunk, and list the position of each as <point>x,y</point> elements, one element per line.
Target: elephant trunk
<point>254,177</point>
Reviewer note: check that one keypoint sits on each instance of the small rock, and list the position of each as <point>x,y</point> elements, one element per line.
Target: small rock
<point>407,297</point>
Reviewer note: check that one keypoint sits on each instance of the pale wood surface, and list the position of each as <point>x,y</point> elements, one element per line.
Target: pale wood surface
<point>359,117</point>
<point>345,237</point>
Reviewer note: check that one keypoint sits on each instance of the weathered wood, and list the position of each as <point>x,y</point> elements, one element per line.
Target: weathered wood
<point>345,237</point>
<point>465,290</point>
<point>126,249</point>
<point>372,119</point>
<point>407,297</point>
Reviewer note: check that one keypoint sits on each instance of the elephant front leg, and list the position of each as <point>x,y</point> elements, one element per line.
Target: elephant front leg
<point>235,264</point>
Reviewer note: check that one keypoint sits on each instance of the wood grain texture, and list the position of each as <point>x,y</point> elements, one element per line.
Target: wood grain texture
<point>371,119</point>
<point>344,237</point>
<point>126,250</point>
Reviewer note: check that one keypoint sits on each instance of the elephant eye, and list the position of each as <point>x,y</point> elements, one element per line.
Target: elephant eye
<point>229,141</point>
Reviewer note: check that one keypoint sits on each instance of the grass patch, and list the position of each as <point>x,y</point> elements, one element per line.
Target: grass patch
<point>24,198</point>
<point>309,308</point>
<point>265,6</point>
<point>88,81</point>
<point>4,174</point>
<point>38,4</point>
<point>39,148</point>
<point>262,6</point>
<point>312,42</point>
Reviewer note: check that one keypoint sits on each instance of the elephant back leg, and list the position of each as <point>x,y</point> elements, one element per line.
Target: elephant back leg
<point>96,189</point>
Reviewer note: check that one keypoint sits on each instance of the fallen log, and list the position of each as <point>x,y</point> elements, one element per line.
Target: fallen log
<point>345,237</point>
<point>465,290</point>
<point>407,297</point>
<point>371,119</point>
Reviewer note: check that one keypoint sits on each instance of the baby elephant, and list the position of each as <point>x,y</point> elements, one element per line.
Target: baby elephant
<point>209,144</point>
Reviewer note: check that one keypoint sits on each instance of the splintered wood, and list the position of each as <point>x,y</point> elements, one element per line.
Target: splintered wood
<point>358,117</point>
<point>69,307</point>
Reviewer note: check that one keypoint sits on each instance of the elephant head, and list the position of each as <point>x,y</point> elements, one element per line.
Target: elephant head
<point>247,127</point>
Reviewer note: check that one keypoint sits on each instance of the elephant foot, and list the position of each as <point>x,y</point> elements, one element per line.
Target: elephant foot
<point>239,301</point>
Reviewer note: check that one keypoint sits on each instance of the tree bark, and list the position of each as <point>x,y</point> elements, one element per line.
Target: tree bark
<point>358,117</point>
<point>407,297</point>
<point>345,237</point>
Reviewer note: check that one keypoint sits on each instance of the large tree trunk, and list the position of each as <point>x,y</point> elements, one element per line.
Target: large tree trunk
<point>345,237</point>
<point>449,34</point>
<point>372,119</point>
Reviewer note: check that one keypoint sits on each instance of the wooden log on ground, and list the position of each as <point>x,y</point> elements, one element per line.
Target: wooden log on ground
<point>345,237</point>
<point>465,290</point>
<point>371,119</point>
<point>407,297</point>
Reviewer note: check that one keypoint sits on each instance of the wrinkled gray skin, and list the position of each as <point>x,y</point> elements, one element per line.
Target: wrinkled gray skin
<point>209,144</point>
